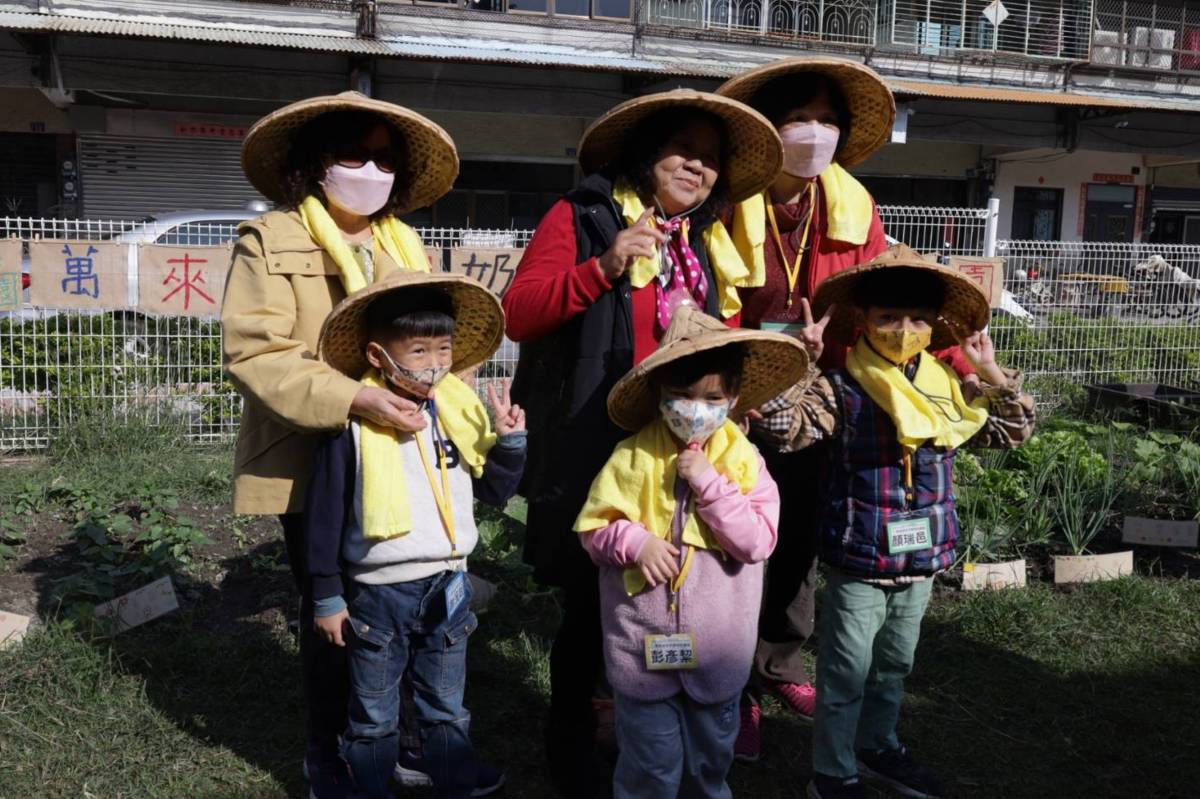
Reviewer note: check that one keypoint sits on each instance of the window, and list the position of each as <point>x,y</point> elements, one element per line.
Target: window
<point>201,234</point>
<point>596,9</point>
<point>1037,214</point>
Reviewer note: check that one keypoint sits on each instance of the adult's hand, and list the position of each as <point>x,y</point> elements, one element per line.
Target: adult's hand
<point>386,409</point>
<point>639,240</point>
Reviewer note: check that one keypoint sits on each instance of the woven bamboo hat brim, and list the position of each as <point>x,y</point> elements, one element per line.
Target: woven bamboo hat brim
<point>773,363</point>
<point>964,305</point>
<point>755,152</point>
<point>870,103</point>
<point>429,151</point>
<point>478,321</point>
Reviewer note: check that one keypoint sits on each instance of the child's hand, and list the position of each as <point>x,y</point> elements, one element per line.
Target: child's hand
<point>692,463</point>
<point>385,408</point>
<point>659,561</point>
<point>978,348</point>
<point>812,336</point>
<point>333,628</point>
<point>510,418</point>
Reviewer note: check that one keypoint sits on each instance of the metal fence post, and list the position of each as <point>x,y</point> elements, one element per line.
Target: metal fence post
<point>990,227</point>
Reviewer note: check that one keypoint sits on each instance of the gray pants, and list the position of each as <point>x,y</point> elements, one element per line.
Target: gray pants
<point>674,747</point>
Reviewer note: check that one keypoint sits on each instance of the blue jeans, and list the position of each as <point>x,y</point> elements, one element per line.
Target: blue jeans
<point>399,627</point>
<point>674,747</point>
<point>869,638</point>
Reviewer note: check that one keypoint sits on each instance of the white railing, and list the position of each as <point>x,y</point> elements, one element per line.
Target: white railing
<point>841,21</point>
<point>1037,28</point>
<point>1149,35</point>
<point>1076,314</point>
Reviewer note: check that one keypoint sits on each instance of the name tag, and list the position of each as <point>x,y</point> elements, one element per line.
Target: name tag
<point>909,535</point>
<point>671,652</point>
<point>787,328</point>
<point>456,593</point>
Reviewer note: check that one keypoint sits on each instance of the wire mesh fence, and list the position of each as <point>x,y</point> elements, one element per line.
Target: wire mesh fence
<point>1075,314</point>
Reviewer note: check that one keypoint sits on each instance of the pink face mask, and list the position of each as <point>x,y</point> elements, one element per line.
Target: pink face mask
<point>808,148</point>
<point>363,189</point>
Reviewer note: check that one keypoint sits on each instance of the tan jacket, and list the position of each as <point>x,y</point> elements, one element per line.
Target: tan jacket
<point>280,288</point>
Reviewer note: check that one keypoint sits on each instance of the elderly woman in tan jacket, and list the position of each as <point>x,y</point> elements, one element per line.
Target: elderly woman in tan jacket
<point>341,168</point>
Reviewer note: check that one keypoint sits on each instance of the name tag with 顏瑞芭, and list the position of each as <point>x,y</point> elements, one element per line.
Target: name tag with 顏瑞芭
<point>909,535</point>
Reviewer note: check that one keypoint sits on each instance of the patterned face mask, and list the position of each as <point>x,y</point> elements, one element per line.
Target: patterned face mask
<point>691,421</point>
<point>898,346</point>
<point>418,382</point>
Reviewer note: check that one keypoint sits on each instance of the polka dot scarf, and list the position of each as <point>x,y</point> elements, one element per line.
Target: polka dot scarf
<point>681,271</point>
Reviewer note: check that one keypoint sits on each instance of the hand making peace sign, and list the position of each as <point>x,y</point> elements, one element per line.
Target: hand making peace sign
<point>510,418</point>
<point>812,336</point>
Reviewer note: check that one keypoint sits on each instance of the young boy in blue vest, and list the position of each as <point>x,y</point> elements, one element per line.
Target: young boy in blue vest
<point>894,417</point>
<point>390,522</point>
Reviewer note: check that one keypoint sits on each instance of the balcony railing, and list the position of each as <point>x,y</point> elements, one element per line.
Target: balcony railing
<point>842,21</point>
<point>1149,35</point>
<point>1039,28</point>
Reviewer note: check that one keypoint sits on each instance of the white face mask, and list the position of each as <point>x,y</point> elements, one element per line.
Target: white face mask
<point>808,148</point>
<point>363,189</point>
<point>692,421</point>
<point>418,382</point>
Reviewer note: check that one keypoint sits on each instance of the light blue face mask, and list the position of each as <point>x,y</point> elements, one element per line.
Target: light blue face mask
<point>693,421</point>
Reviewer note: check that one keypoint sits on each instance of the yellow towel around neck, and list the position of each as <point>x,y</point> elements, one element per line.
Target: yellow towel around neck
<point>849,210</point>
<point>638,484</point>
<point>386,508</point>
<point>397,239</point>
<point>727,266</point>
<point>949,423</point>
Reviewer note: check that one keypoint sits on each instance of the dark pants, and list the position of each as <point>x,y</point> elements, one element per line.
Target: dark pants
<point>399,628</point>
<point>323,666</point>
<point>789,600</point>
<point>576,664</point>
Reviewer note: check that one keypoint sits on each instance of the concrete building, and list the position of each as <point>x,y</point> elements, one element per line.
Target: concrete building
<point>1082,116</point>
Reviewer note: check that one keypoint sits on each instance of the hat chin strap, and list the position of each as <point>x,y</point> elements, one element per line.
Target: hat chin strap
<point>681,214</point>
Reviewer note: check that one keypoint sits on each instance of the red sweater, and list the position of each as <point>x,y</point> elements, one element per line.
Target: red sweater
<point>551,286</point>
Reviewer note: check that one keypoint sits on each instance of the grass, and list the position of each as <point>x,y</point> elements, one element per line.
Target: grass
<point>1090,691</point>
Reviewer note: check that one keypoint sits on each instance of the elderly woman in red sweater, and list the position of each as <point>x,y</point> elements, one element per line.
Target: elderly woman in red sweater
<point>592,296</point>
<point>813,221</point>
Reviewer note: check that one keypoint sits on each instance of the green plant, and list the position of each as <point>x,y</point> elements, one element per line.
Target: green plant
<point>11,536</point>
<point>1084,500</point>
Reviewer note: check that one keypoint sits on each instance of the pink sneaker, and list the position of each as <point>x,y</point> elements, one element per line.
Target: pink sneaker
<point>748,745</point>
<point>801,698</point>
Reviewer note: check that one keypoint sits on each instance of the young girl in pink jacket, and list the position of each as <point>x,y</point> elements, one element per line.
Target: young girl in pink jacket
<point>680,521</point>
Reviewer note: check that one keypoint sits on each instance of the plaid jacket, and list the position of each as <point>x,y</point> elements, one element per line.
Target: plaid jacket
<point>864,475</point>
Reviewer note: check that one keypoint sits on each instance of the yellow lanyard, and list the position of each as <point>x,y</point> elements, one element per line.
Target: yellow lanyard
<point>445,510</point>
<point>677,583</point>
<point>793,271</point>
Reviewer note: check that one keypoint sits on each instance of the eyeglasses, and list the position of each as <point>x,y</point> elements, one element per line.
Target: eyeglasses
<point>357,156</point>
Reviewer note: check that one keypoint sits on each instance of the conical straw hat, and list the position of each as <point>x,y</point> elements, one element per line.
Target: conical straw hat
<point>773,363</point>
<point>755,152</point>
<point>429,151</point>
<point>869,101</point>
<point>964,305</point>
<point>478,321</point>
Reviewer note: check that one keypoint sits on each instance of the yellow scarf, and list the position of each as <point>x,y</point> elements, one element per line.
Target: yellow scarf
<point>848,213</point>
<point>723,256</point>
<point>396,238</point>
<point>464,420</point>
<point>917,419</point>
<point>638,484</point>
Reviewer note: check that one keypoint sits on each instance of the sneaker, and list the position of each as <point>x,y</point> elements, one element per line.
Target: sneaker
<point>748,746</point>
<point>327,777</point>
<point>824,787</point>
<point>410,770</point>
<point>800,698</point>
<point>898,769</point>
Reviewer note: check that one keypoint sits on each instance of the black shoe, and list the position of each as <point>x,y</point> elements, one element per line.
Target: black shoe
<point>825,787</point>
<point>488,780</point>
<point>898,769</point>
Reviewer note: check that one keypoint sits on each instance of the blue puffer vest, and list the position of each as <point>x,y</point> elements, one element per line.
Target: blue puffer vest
<point>865,490</point>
